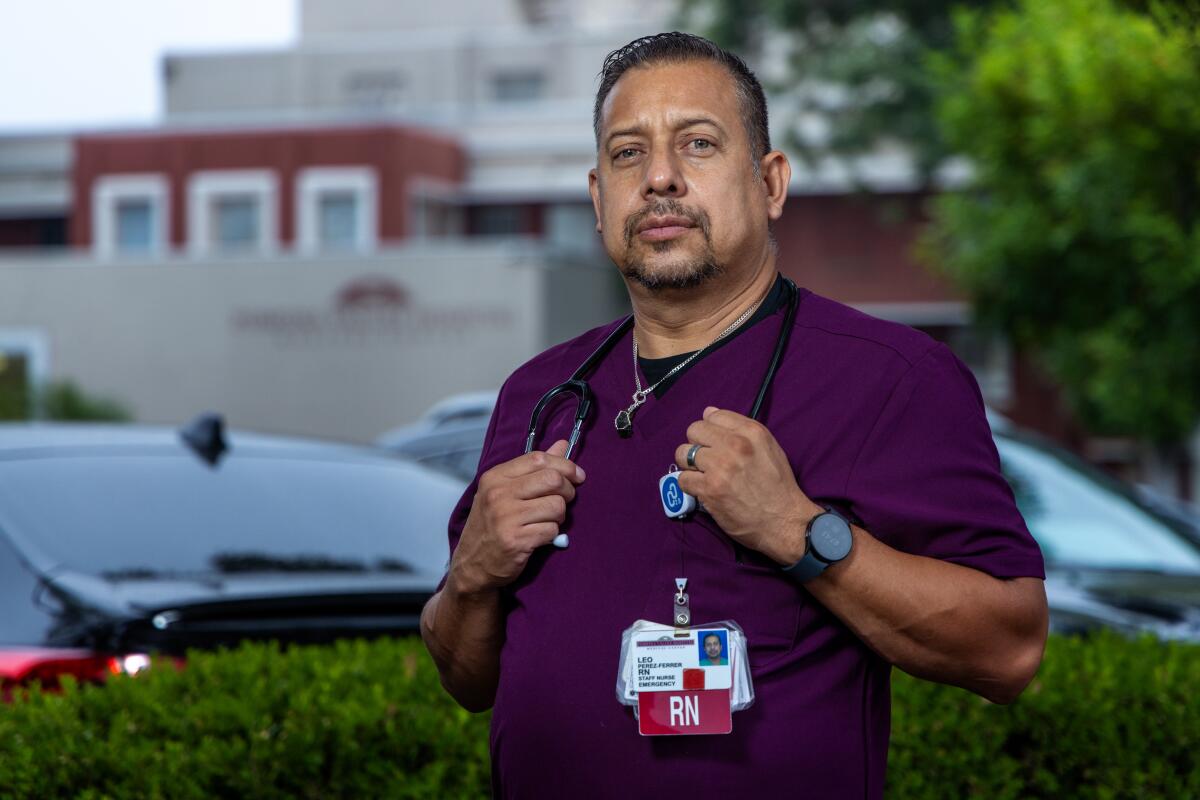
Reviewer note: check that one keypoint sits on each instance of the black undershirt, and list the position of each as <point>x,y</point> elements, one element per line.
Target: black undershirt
<point>653,369</point>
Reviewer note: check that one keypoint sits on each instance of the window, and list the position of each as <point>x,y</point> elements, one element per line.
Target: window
<point>373,90</point>
<point>232,212</point>
<point>337,209</point>
<point>512,87</point>
<point>498,220</point>
<point>129,215</point>
<point>135,224</point>
<point>988,355</point>
<point>337,220</point>
<point>434,208</point>
<point>572,226</point>
<point>235,223</point>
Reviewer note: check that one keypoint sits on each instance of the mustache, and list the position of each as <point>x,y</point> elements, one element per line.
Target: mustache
<point>662,208</point>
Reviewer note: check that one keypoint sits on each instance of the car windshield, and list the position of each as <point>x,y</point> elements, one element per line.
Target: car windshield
<point>1082,518</point>
<point>156,513</point>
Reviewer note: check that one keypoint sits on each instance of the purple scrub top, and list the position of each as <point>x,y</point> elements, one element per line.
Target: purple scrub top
<point>878,421</point>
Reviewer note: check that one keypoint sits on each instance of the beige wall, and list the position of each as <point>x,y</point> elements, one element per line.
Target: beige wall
<point>338,348</point>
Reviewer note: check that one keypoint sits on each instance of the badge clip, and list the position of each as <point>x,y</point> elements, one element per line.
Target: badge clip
<point>682,615</point>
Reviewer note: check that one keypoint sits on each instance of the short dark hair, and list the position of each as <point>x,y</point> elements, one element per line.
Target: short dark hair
<point>674,48</point>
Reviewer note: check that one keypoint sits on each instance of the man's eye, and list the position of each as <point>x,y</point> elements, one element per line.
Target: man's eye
<point>701,144</point>
<point>627,152</point>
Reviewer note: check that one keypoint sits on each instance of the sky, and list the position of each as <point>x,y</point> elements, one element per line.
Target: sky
<point>66,64</point>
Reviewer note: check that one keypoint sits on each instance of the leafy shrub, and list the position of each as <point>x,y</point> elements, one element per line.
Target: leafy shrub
<point>353,719</point>
<point>65,400</point>
<point>61,400</point>
<point>1105,718</point>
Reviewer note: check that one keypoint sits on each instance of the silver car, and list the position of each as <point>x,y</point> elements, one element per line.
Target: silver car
<point>1112,559</point>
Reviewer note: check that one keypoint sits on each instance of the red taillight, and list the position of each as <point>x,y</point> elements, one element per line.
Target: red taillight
<point>128,664</point>
<point>45,665</point>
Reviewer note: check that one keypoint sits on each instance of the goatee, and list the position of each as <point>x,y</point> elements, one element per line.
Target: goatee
<point>682,276</point>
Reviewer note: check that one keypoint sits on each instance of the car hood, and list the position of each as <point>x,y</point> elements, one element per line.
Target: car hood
<point>172,614</point>
<point>1134,601</point>
<point>139,596</point>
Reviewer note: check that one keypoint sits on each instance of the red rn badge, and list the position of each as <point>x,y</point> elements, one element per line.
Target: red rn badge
<point>686,712</point>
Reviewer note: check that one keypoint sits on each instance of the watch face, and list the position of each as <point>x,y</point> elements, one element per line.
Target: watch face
<point>830,537</point>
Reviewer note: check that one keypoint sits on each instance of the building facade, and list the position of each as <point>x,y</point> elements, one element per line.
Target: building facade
<point>388,133</point>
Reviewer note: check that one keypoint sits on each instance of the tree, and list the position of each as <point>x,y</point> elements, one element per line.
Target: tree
<point>1079,235</point>
<point>858,65</point>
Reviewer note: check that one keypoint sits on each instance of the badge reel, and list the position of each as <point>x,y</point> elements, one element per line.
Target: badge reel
<point>676,502</point>
<point>684,679</point>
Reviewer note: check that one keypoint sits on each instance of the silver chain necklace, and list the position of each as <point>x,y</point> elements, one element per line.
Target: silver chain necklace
<point>624,420</point>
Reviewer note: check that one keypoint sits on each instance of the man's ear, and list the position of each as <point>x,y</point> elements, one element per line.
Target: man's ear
<point>776,174</point>
<point>594,191</point>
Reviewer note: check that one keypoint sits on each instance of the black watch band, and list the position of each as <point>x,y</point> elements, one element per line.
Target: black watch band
<point>827,541</point>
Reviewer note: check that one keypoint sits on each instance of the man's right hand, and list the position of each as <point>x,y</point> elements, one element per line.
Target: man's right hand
<point>518,507</point>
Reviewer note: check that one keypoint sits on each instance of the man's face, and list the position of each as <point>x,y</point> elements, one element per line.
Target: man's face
<point>675,189</point>
<point>712,646</point>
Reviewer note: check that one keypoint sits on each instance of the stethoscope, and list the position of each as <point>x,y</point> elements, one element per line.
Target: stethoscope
<point>577,384</point>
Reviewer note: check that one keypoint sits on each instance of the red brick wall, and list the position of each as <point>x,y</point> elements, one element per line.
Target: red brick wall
<point>397,154</point>
<point>858,249</point>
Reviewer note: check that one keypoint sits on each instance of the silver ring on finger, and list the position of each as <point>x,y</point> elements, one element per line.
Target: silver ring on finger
<point>691,455</point>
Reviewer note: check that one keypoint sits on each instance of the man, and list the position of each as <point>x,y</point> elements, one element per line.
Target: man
<point>875,421</point>
<point>713,655</point>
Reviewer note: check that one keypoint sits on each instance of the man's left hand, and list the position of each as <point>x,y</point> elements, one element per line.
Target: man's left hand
<point>746,484</point>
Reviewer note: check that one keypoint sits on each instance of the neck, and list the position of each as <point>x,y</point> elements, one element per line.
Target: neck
<point>673,321</point>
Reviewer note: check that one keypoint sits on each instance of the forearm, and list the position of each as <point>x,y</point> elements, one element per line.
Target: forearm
<point>517,508</point>
<point>464,632</point>
<point>938,620</point>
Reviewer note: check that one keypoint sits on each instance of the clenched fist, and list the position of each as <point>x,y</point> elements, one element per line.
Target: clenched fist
<point>518,508</point>
<point>743,478</point>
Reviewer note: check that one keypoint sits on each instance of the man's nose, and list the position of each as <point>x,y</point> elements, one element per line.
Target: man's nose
<point>663,176</point>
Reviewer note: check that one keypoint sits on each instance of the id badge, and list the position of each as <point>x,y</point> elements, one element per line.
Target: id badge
<point>684,681</point>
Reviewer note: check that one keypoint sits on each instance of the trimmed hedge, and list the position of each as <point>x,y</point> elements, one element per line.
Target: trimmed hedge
<point>1106,718</point>
<point>352,719</point>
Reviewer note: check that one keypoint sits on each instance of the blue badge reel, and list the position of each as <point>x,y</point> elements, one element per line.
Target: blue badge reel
<point>675,501</point>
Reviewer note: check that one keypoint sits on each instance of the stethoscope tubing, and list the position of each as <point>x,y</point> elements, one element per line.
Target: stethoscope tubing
<point>578,386</point>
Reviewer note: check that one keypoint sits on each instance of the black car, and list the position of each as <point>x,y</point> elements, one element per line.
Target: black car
<point>116,541</point>
<point>1112,559</point>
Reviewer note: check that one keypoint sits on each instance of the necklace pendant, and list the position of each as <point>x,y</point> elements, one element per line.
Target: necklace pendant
<point>624,423</point>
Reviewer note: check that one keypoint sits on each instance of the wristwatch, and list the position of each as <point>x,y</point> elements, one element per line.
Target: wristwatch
<point>827,541</point>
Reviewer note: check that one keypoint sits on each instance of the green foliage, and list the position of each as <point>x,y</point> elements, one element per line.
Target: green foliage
<point>60,401</point>
<point>354,719</point>
<point>1105,718</point>
<point>1079,236</point>
<point>64,400</point>
<point>15,398</point>
<point>14,404</point>
<point>858,64</point>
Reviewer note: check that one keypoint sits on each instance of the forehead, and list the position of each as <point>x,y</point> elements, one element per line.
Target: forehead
<point>666,93</point>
